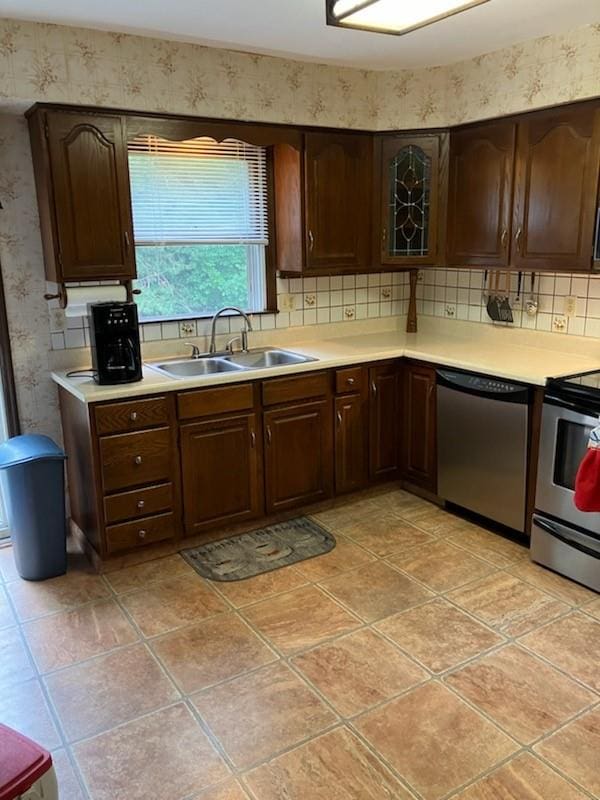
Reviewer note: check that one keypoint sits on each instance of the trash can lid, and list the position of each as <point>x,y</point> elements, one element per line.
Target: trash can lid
<point>22,763</point>
<point>29,447</point>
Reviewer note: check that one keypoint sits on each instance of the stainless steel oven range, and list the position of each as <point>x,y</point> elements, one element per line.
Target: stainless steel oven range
<point>562,537</point>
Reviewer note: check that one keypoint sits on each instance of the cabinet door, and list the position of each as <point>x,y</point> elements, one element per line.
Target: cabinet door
<point>419,431</point>
<point>338,201</point>
<point>221,471</point>
<point>351,441</point>
<point>298,455</point>
<point>384,423</point>
<point>90,179</point>
<point>480,194</point>
<point>409,199</point>
<point>556,182</point>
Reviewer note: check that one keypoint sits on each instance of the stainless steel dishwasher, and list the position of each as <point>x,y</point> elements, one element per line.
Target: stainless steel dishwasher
<point>482,425</point>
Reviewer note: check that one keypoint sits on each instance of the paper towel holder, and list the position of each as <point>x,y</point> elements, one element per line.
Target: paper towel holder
<point>61,295</point>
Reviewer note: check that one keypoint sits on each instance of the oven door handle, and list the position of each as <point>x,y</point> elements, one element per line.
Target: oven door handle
<point>551,529</point>
<point>578,408</point>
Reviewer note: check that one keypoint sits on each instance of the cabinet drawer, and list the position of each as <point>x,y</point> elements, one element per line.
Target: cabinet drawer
<point>221,400</point>
<point>132,459</point>
<point>138,503</point>
<point>286,390</point>
<point>349,379</point>
<point>141,532</point>
<point>132,415</point>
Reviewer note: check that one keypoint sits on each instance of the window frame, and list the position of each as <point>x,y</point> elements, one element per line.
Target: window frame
<point>270,252</point>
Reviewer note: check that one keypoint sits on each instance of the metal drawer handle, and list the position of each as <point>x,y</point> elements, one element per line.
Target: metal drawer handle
<point>137,460</point>
<point>311,241</point>
<point>504,237</point>
<point>269,437</point>
<point>518,240</point>
<point>141,503</point>
<point>339,417</point>
<point>142,534</point>
<point>351,381</point>
<point>373,387</point>
<point>133,416</point>
<point>252,439</point>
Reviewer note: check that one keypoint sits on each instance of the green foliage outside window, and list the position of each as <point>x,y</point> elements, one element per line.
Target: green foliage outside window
<point>191,280</point>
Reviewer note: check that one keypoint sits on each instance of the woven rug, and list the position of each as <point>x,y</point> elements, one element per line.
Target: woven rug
<point>263,550</point>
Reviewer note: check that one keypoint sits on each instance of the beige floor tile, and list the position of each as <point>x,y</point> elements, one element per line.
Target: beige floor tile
<point>7,617</point>
<point>441,566</point>
<point>35,598</point>
<point>277,708</point>
<point>140,575</point>
<point>434,740</point>
<point>384,534</point>
<point>15,664</point>
<point>24,708</point>
<point>336,766</point>
<point>376,591</point>
<point>522,778</point>
<point>521,693</point>
<point>171,604</point>
<point>562,588</point>
<point>439,635</point>
<point>357,671</point>
<point>438,522</point>
<point>230,790</point>
<point>252,590</point>
<point>71,636</point>
<point>210,652</point>
<point>69,787</point>
<point>165,754</point>
<point>347,512</point>
<point>345,556</point>
<point>593,609</point>
<point>573,644</point>
<point>508,604</point>
<point>574,750</point>
<point>487,545</point>
<point>300,619</point>
<point>412,509</point>
<point>107,691</point>
<point>8,569</point>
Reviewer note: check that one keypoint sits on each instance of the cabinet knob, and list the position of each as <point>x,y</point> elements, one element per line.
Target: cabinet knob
<point>373,387</point>
<point>311,241</point>
<point>137,460</point>
<point>269,435</point>
<point>133,416</point>
<point>142,534</point>
<point>351,381</point>
<point>518,240</point>
<point>252,439</point>
<point>339,418</point>
<point>141,503</point>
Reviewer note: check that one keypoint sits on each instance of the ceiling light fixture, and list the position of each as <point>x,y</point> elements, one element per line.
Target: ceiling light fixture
<point>393,16</point>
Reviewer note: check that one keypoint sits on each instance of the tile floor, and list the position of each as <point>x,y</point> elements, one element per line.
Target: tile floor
<point>424,657</point>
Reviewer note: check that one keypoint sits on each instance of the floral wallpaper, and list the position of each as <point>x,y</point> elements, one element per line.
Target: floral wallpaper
<point>52,63</point>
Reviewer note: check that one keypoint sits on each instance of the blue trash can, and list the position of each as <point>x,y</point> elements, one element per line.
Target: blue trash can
<point>33,485</point>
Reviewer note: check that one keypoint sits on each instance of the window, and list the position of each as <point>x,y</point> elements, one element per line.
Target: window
<point>200,220</point>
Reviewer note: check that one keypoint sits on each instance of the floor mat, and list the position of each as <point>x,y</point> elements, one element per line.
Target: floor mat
<point>262,550</point>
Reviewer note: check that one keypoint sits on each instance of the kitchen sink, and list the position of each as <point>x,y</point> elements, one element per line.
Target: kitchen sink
<point>263,359</point>
<point>236,362</point>
<point>191,367</point>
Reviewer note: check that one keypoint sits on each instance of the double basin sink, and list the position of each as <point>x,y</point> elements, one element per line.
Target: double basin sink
<point>235,362</point>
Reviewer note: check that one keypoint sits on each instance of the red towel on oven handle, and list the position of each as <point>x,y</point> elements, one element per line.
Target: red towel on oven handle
<point>587,480</point>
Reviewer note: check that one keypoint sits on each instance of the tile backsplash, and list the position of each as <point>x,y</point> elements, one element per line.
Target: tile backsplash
<point>462,294</point>
<point>307,301</point>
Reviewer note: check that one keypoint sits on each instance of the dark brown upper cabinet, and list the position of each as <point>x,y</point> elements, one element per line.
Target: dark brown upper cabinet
<point>480,189</point>
<point>82,180</point>
<point>323,204</point>
<point>411,185</point>
<point>556,184</point>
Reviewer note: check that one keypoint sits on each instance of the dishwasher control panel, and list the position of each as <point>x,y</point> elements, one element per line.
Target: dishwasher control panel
<point>484,385</point>
<point>491,385</point>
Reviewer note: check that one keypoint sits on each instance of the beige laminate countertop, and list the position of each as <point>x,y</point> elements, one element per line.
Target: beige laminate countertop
<point>528,358</point>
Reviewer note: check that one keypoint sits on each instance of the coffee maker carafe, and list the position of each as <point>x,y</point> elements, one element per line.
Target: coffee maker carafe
<point>115,342</point>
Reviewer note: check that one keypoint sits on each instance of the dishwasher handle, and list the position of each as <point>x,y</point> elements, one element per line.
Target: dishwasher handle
<point>485,386</point>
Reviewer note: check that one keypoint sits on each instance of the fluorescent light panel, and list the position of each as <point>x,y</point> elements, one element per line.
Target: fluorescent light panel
<point>393,16</point>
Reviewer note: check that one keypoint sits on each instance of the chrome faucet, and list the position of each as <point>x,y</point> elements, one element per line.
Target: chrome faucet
<point>244,332</point>
<point>195,349</point>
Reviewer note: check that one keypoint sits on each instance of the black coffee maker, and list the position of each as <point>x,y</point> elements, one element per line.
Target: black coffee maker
<point>115,342</point>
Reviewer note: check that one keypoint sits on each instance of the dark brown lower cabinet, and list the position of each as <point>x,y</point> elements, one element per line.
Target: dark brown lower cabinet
<point>351,443</point>
<point>384,421</point>
<point>298,455</point>
<point>221,469</point>
<point>419,457</point>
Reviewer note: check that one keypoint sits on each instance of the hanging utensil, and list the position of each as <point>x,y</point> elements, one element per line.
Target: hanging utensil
<point>493,303</point>
<point>531,307</point>
<point>519,284</point>
<point>506,314</point>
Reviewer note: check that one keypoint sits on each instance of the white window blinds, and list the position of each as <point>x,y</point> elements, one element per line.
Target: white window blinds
<point>198,191</point>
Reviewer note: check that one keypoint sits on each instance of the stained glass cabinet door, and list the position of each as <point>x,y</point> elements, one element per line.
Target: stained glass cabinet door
<point>409,201</point>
